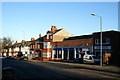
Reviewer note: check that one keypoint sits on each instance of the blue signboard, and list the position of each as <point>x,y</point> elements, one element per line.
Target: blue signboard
<point>65,49</point>
<point>78,49</point>
<point>57,49</point>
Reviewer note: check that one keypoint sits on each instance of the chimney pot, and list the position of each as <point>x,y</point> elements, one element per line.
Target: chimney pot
<point>32,39</point>
<point>23,41</point>
<point>40,35</point>
<point>53,28</point>
<point>16,41</point>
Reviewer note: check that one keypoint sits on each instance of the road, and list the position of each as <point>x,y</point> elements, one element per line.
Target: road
<point>26,70</point>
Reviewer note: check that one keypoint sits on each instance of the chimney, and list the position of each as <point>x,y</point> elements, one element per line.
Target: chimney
<point>32,39</point>
<point>53,28</point>
<point>23,41</point>
<point>40,35</point>
<point>16,41</point>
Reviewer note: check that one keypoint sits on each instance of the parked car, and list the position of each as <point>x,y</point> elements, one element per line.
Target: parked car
<point>24,58</point>
<point>1,57</point>
<point>15,57</point>
<point>91,59</point>
<point>9,57</point>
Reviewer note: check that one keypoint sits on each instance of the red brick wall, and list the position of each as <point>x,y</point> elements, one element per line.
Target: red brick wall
<point>74,42</point>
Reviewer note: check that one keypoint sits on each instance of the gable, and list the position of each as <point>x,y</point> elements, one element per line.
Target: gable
<point>60,35</point>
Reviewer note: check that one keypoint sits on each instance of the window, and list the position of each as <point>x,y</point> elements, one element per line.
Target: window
<point>90,58</point>
<point>25,52</point>
<point>38,45</point>
<point>104,41</point>
<point>97,41</point>
<point>33,46</point>
<point>49,36</point>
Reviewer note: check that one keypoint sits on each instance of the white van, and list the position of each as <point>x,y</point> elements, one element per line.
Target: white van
<point>91,59</point>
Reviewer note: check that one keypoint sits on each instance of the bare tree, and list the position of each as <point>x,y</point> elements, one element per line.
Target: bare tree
<point>6,44</point>
<point>0,46</point>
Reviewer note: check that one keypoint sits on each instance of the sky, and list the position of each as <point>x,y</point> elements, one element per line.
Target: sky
<point>26,20</point>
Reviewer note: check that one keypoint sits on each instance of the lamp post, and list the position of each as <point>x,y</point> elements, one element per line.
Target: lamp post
<point>100,37</point>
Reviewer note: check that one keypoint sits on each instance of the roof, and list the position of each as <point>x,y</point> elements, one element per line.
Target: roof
<point>53,32</point>
<point>78,37</point>
<point>111,31</point>
<point>27,43</point>
<point>40,39</point>
<point>16,44</point>
<point>56,31</point>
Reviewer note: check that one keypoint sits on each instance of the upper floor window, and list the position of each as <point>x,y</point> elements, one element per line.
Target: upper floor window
<point>97,41</point>
<point>49,36</point>
<point>104,41</point>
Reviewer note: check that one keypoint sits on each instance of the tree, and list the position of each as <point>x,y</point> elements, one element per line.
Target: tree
<point>6,44</point>
<point>0,46</point>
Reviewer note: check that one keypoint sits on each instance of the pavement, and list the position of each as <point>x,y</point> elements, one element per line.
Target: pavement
<point>108,68</point>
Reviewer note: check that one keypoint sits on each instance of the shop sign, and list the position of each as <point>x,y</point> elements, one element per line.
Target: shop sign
<point>85,49</point>
<point>103,47</point>
<point>68,49</point>
<point>57,49</point>
<point>78,49</point>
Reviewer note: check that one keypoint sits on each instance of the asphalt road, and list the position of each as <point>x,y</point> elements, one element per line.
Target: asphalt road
<point>25,70</point>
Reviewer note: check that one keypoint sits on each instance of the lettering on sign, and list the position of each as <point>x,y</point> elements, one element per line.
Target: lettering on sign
<point>103,47</point>
<point>84,49</point>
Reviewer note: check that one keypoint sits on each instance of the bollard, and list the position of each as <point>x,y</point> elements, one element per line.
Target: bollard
<point>7,73</point>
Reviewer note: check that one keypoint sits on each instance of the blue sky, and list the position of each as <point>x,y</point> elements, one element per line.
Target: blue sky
<point>24,20</point>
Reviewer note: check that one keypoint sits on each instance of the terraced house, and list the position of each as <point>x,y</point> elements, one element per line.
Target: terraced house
<point>58,44</point>
<point>41,48</point>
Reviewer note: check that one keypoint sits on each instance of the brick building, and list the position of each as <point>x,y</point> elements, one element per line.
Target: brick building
<point>20,49</point>
<point>54,35</point>
<point>41,48</point>
<point>36,48</point>
<point>58,44</point>
<point>72,47</point>
<point>111,42</point>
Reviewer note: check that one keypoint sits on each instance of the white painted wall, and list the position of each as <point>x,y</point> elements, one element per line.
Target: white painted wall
<point>25,50</point>
<point>16,49</point>
<point>47,45</point>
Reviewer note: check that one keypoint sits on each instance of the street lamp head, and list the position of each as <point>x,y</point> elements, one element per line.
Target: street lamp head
<point>93,14</point>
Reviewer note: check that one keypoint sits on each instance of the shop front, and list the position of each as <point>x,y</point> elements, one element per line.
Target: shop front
<point>70,53</point>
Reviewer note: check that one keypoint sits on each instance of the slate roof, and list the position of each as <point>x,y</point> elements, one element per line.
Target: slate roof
<point>53,32</point>
<point>40,39</point>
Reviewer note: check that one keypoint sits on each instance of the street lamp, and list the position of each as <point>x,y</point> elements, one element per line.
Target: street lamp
<point>100,36</point>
